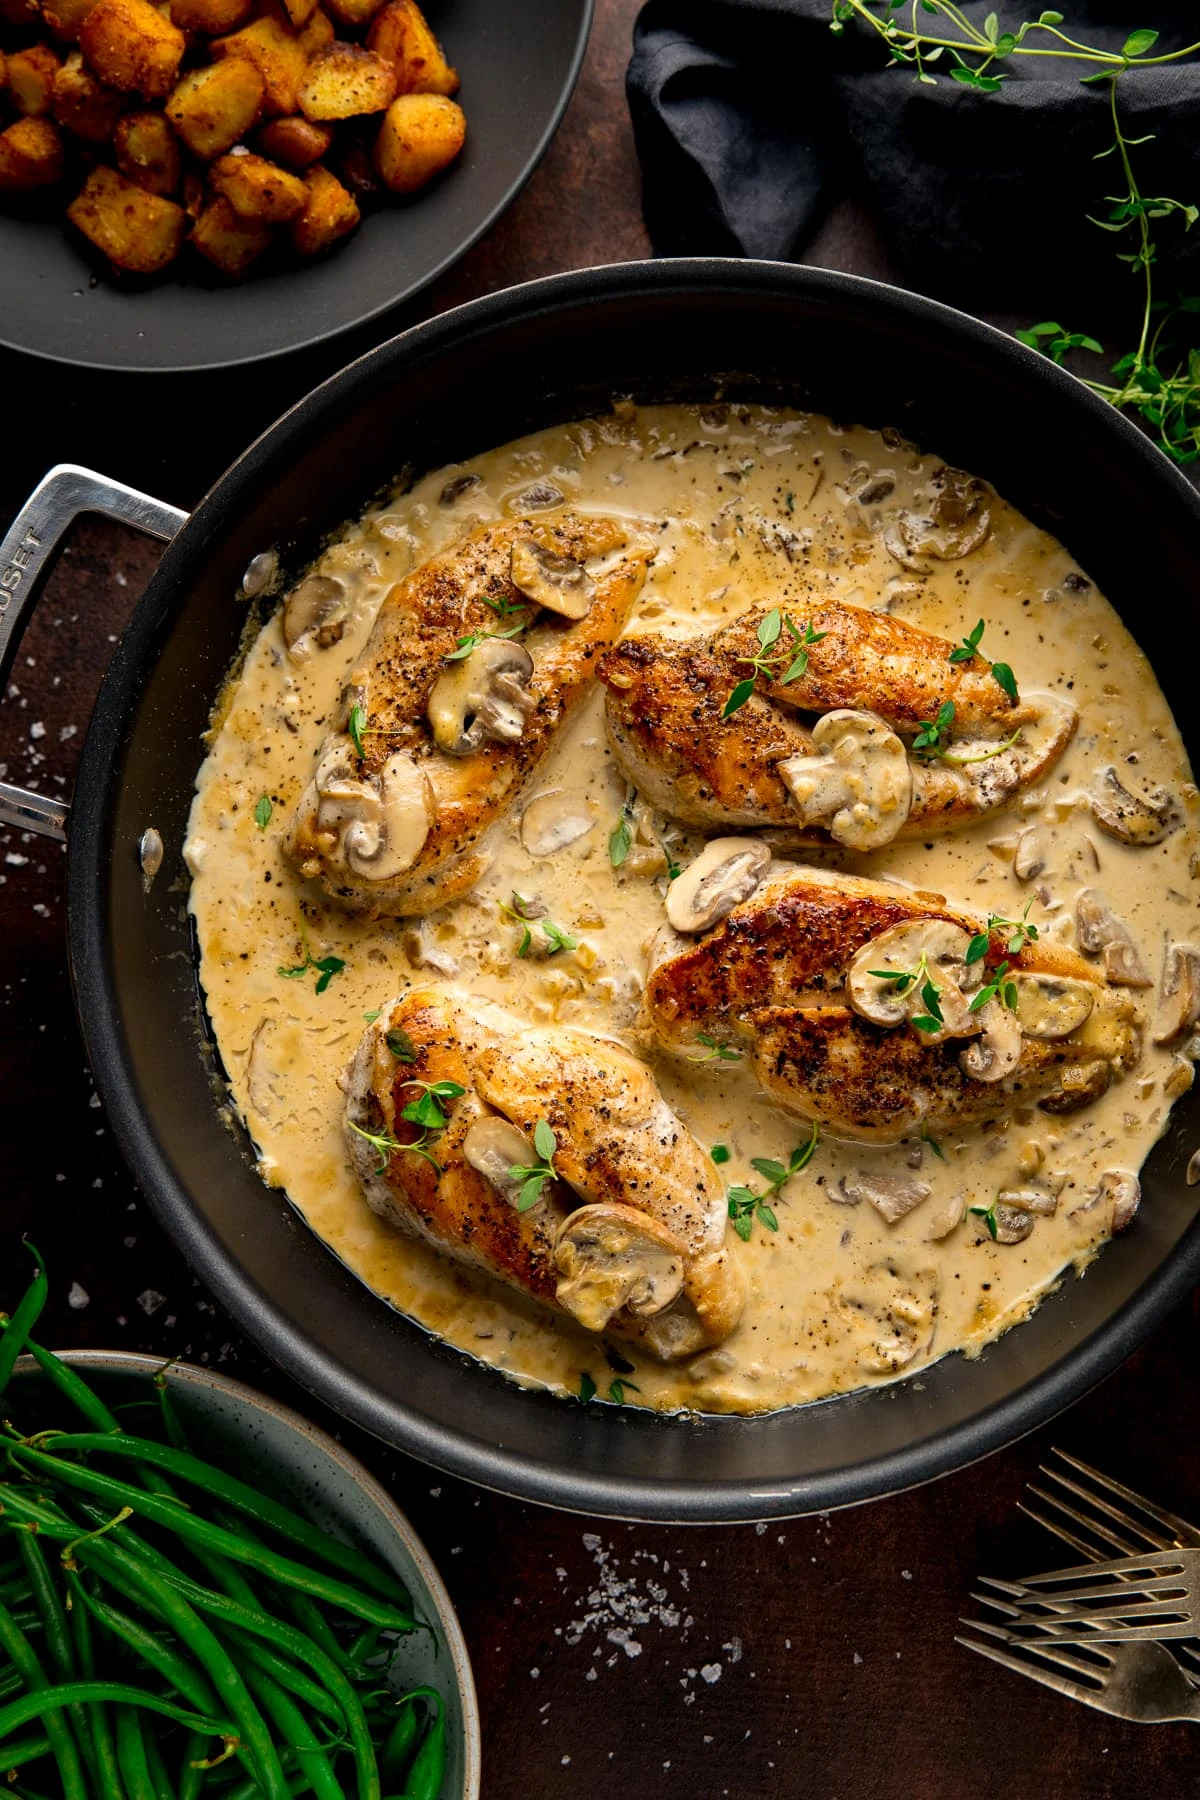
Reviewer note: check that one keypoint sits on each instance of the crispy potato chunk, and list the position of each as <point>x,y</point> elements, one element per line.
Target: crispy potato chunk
<point>212,108</point>
<point>147,153</point>
<point>316,34</point>
<point>130,45</point>
<point>299,12</point>
<point>258,189</point>
<point>31,80</point>
<point>420,134</point>
<point>230,243</point>
<point>64,17</point>
<point>353,14</point>
<point>31,156</point>
<point>345,80</point>
<point>296,142</point>
<point>330,211</point>
<point>279,58</point>
<point>137,231</point>
<point>400,35</point>
<point>84,106</point>
<point>210,16</point>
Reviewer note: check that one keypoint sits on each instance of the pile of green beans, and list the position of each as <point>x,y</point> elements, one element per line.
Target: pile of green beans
<point>168,1632</point>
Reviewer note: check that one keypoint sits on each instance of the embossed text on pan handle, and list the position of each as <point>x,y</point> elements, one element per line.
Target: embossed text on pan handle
<point>26,553</point>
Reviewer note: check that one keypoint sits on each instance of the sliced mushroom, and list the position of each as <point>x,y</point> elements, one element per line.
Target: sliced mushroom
<point>553,820</point>
<point>857,783</point>
<point>1029,857</point>
<point>1013,1224</point>
<point>1181,994</point>
<point>958,520</point>
<point>613,1256</point>
<point>1077,1088</point>
<point>1030,1199</point>
<point>1132,818</point>
<point>997,1051</point>
<point>318,609</point>
<point>947,1217</point>
<point>1119,1194</point>
<point>484,697</point>
<point>557,582</point>
<point>891,1195</point>
<point>889,1003</point>
<point>377,823</point>
<point>494,1146</point>
<point>1098,929</point>
<point>1052,1006</point>
<point>455,489</point>
<point>725,873</point>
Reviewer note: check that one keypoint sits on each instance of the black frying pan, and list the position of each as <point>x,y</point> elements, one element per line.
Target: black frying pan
<point>466,381</point>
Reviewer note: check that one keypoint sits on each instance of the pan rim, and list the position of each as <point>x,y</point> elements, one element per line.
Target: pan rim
<point>1030,1404</point>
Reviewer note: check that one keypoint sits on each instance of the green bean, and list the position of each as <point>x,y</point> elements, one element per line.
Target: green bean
<point>314,1624</point>
<point>48,1700</point>
<point>402,1741</point>
<point>302,1686</point>
<point>106,1770</point>
<point>235,1493</point>
<point>28,1749</point>
<point>297,1732</point>
<point>161,1784</point>
<point>104,1555</point>
<point>18,1328</point>
<point>15,1644</point>
<point>429,1764</point>
<point>59,1647</point>
<point>191,1775</point>
<point>70,1385</point>
<point>214,1537</point>
<point>131,1754</point>
<point>175,1669</point>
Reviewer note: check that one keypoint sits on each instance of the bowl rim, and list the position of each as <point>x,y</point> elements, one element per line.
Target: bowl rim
<point>1028,1404</point>
<point>141,1363</point>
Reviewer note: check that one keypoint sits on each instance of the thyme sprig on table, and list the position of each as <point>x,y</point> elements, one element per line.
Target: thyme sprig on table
<point>1160,377</point>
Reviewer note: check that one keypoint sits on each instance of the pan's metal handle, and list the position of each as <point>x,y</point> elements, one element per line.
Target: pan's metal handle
<point>25,556</point>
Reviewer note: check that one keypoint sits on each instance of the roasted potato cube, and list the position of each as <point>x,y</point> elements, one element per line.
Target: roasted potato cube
<point>329,213</point>
<point>296,142</point>
<point>147,153</point>
<point>230,243</point>
<point>212,108</point>
<point>258,189</point>
<point>278,57</point>
<point>299,12</point>
<point>400,35</point>
<point>345,80</point>
<point>420,134</point>
<point>64,17</point>
<point>137,231</point>
<point>84,106</point>
<point>31,156</point>
<point>316,34</point>
<point>130,45</point>
<point>31,80</point>
<point>210,16</point>
<point>353,14</point>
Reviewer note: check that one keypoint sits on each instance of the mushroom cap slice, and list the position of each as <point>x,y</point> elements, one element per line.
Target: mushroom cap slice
<point>889,1003</point>
<point>725,873</point>
<point>556,582</point>
<point>1013,1224</point>
<point>317,608</point>
<point>381,844</point>
<point>858,782</point>
<point>891,1195</point>
<point>553,820</point>
<point>1181,994</point>
<point>494,1147</point>
<point>997,1051</point>
<point>482,696</point>
<point>1052,1006</point>
<point>611,1256</point>
<point>1132,818</point>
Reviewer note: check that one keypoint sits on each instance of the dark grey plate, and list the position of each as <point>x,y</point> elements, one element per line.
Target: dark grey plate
<point>519,61</point>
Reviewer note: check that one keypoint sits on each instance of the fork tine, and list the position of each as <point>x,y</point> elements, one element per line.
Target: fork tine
<point>1170,1522</point>
<point>1045,1647</point>
<point>1095,1501</point>
<point>1088,1551</point>
<point>1138,1571</point>
<point>1110,1603</point>
<point>1074,1690</point>
<point>1098,1530</point>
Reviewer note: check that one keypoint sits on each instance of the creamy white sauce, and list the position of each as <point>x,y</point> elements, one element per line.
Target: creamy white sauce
<point>749,505</point>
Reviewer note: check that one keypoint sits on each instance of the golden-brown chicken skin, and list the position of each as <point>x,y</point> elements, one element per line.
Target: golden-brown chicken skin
<point>621,1155</point>
<point>773,981</point>
<point>396,829</point>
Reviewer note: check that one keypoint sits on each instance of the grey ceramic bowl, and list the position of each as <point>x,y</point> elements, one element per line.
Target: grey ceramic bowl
<point>269,1444</point>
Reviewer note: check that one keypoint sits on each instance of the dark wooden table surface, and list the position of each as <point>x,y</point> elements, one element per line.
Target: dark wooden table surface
<point>812,1659</point>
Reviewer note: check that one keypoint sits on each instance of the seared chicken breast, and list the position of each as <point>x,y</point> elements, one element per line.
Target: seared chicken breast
<point>626,1234</point>
<point>475,661</point>
<point>866,1008</point>
<point>852,776</point>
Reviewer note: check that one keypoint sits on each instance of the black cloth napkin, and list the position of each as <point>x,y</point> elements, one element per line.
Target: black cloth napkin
<point>751,117</point>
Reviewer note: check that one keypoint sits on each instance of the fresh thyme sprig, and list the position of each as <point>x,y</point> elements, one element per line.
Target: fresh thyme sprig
<point>426,1111</point>
<point>927,1137</point>
<point>768,659</point>
<point>932,741</point>
<point>1018,933</point>
<point>746,1204</point>
<point>932,1018</point>
<point>968,650</point>
<point>715,1050</point>
<point>263,811</point>
<point>1160,378</point>
<point>998,988</point>
<point>400,1044</point>
<point>325,967</point>
<point>988,1215</point>
<point>473,639</point>
<point>556,938</point>
<point>534,1176</point>
<point>617,1389</point>
<point>620,842</point>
